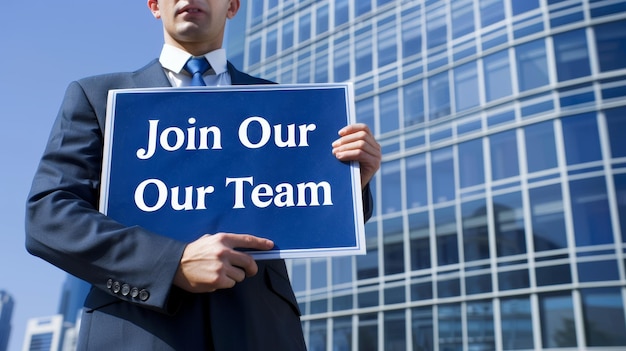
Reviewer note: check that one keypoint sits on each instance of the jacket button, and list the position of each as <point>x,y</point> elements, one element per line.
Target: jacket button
<point>125,289</point>
<point>116,287</point>
<point>109,283</point>
<point>134,292</point>
<point>144,295</point>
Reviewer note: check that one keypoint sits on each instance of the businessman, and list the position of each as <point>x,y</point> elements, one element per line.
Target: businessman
<point>150,292</point>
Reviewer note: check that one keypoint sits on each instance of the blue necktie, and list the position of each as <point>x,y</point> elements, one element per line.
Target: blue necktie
<point>197,66</point>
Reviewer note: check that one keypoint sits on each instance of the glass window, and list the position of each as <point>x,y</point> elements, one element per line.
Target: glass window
<point>319,268</point>
<point>475,231</point>
<point>508,215</point>
<point>416,188</point>
<point>391,198</point>
<point>438,95</point>
<point>368,332</point>
<point>517,325</point>
<point>616,124</point>
<point>342,60</point>
<point>450,327</point>
<point>317,335</point>
<point>448,288</point>
<point>478,284</point>
<point>548,220</point>
<point>590,212</point>
<point>419,233</point>
<point>363,51</point>
<point>321,64</point>
<point>466,86</point>
<point>512,280</point>
<point>598,271</point>
<point>572,56</point>
<point>287,35</point>
<point>447,243</point>
<point>611,45</point>
<point>395,331</point>
<point>442,164</point>
<point>413,103</point>
<point>540,146</point>
<point>603,313</point>
<point>422,328</point>
<point>553,275</point>
<point>394,295</point>
<point>367,265</point>
<point>298,275</point>
<point>480,330</point>
<point>304,71</point>
<point>411,32</point>
<point>389,111</point>
<point>321,24</point>
<point>504,161</point>
<point>462,17</point>
<point>437,31</point>
<point>520,7</point>
<point>620,194</point>
<point>272,43</point>
<point>257,12</point>
<point>342,270</point>
<point>497,75</point>
<point>581,139</point>
<point>365,112</point>
<point>532,66</point>
<point>342,333</point>
<point>422,291</point>
<point>254,52</point>
<point>393,238</point>
<point>368,299</point>
<point>558,328</point>
<point>362,7</point>
<point>342,12</point>
<point>471,163</point>
<point>304,27</point>
<point>491,11</point>
<point>387,42</point>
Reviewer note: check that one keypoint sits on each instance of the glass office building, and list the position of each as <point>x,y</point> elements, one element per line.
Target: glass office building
<point>500,218</point>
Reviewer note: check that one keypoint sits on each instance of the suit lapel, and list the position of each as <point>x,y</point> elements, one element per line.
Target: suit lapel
<point>151,75</point>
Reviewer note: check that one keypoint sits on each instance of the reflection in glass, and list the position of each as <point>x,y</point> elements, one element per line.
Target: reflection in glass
<point>620,194</point>
<point>445,229</point>
<point>317,335</point>
<point>548,220</point>
<point>393,238</point>
<point>287,41</point>
<point>504,157</point>
<point>413,103</point>
<point>448,288</point>
<point>342,269</point>
<point>611,45</point>
<point>597,271</point>
<point>319,269</point>
<point>471,164</point>
<point>572,56</point>
<point>497,73</point>
<point>298,275</point>
<point>304,27</point>
<point>367,265</point>
<point>442,164</point>
<point>411,32</point>
<point>342,60</point>
<point>540,146</point>
<point>558,328</point>
<point>389,113</point>
<point>511,280</point>
<point>475,231</point>
<point>581,139</point>
<point>342,12</point>
<point>365,112</point>
<point>590,212</point>
<point>462,17</point>
<point>416,189</point>
<point>478,284</point>
<point>532,66</point>
<point>466,86</point>
<point>450,327</point>
<point>363,50</point>
<point>438,96</point>
<point>603,313</point>
<point>368,332</point>
<point>480,329</point>
<point>553,275</point>
<point>342,333</point>
<point>422,328</point>
<point>395,334</point>
<point>422,291</point>
<point>391,197</point>
<point>491,11</point>
<point>520,7</point>
<point>419,233</point>
<point>387,42</point>
<point>436,29</point>
<point>616,123</point>
<point>508,215</point>
<point>517,325</point>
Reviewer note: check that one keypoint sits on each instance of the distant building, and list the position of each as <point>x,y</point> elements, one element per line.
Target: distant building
<point>44,334</point>
<point>500,214</point>
<point>6,312</point>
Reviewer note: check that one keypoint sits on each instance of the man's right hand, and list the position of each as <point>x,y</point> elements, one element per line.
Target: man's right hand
<point>211,262</point>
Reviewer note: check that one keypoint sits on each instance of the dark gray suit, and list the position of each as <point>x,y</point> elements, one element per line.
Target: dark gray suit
<point>132,304</point>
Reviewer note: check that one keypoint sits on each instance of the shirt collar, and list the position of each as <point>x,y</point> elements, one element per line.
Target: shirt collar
<point>174,59</point>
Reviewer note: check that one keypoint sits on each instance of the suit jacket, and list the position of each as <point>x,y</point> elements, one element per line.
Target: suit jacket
<point>132,304</point>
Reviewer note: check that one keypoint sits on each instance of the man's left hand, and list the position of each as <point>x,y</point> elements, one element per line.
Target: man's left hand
<point>357,143</point>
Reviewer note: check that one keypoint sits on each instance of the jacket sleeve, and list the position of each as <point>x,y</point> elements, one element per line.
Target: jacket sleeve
<point>65,228</point>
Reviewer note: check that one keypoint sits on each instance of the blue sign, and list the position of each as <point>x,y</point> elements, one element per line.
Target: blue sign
<point>248,159</point>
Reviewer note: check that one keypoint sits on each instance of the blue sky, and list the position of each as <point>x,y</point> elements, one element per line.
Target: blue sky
<point>45,46</point>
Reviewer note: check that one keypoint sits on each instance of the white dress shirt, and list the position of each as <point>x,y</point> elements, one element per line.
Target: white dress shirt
<point>173,61</point>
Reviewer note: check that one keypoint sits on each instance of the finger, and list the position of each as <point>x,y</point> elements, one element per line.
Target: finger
<point>357,150</point>
<point>235,273</point>
<point>353,128</point>
<point>244,262</point>
<point>245,241</point>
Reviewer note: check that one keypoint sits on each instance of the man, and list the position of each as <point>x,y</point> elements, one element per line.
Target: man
<point>152,292</point>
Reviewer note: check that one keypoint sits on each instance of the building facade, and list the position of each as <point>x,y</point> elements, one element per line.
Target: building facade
<point>500,217</point>
<point>44,334</point>
<point>6,313</point>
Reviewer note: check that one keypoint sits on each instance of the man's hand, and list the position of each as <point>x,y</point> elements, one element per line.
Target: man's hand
<point>357,143</point>
<point>211,262</point>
